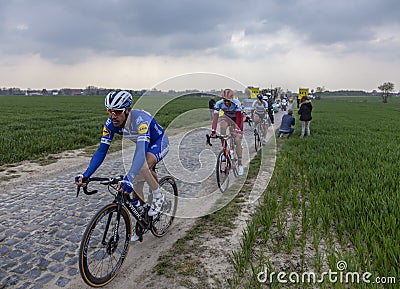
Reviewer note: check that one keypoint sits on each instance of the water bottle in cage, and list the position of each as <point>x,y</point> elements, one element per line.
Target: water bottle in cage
<point>136,203</point>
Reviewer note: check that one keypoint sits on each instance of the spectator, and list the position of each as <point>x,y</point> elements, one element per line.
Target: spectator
<point>286,125</point>
<point>305,115</point>
<point>270,101</point>
<point>211,106</point>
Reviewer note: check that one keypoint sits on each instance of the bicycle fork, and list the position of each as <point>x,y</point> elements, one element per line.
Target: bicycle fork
<point>112,244</point>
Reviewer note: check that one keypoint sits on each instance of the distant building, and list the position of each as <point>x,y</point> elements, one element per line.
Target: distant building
<point>34,92</point>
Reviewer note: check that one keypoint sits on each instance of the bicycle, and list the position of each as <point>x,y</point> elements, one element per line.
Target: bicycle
<point>258,133</point>
<point>106,240</point>
<point>227,160</point>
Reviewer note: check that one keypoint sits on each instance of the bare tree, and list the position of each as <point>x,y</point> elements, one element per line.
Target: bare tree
<point>318,91</point>
<point>386,89</point>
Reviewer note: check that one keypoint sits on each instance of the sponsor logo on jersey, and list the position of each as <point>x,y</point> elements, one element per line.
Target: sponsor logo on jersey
<point>143,128</point>
<point>106,132</point>
<point>105,141</point>
<point>139,119</point>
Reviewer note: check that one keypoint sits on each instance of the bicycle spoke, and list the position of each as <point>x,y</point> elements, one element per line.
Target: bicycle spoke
<point>163,221</point>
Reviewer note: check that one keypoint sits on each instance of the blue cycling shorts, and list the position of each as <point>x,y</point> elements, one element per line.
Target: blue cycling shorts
<point>160,148</point>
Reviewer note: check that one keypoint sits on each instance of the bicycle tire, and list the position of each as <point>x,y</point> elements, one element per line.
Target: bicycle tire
<point>222,171</point>
<point>260,133</point>
<point>162,222</point>
<point>100,262</point>
<point>233,159</point>
<point>256,137</point>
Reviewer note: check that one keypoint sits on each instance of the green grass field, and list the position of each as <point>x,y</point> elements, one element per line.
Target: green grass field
<point>36,126</point>
<point>337,191</point>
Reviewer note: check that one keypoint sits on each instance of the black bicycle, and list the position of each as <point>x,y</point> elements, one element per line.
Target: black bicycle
<point>106,241</point>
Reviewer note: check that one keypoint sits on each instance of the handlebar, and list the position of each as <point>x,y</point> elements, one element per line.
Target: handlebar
<point>208,140</point>
<point>103,181</point>
<point>247,118</point>
<point>209,137</point>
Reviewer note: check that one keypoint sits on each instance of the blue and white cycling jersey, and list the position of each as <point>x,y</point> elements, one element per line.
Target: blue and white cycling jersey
<point>142,129</point>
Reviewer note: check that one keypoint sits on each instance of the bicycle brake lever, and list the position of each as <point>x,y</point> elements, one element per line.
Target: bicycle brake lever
<point>208,140</point>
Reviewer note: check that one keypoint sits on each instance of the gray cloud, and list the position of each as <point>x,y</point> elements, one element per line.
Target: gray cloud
<point>69,31</point>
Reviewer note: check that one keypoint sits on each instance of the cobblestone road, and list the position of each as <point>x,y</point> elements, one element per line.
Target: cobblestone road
<point>41,225</point>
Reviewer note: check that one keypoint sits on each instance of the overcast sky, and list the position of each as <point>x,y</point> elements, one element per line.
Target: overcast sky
<point>341,44</point>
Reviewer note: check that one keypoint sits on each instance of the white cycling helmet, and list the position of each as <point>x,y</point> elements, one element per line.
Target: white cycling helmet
<point>118,99</point>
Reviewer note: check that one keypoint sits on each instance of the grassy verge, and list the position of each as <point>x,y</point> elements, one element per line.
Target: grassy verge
<point>333,197</point>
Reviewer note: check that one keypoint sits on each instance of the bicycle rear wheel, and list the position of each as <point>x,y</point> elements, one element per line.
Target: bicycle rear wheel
<point>222,172</point>
<point>163,221</point>
<point>100,258</point>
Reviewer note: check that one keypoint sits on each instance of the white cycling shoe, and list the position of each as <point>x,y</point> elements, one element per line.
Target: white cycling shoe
<point>156,205</point>
<point>134,237</point>
<point>240,170</point>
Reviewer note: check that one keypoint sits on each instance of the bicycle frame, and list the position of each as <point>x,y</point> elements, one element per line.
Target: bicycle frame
<point>121,199</point>
<point>145,221</point>
<point>262,121</point>
<point>226,151</point>
<point>225,147</point>
<point>222,173</point>
<point>260,130</point>
<point>106,240</point>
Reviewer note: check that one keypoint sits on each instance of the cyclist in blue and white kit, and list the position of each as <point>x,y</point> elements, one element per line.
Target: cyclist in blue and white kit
<point>151,147</point>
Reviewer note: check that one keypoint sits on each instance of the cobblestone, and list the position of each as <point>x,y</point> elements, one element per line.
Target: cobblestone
<point>42,225</point>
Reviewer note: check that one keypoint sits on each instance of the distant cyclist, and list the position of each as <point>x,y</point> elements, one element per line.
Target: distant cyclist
<point>269,99</point>
<point>260,113</point>
<point>232,109</point>
<point>151,147</point>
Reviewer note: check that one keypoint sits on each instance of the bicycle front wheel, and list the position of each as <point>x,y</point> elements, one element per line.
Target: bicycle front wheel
<point>256,138</point>
<point>100,256</point>
<point>162,222</point>
<point>222,171</point>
